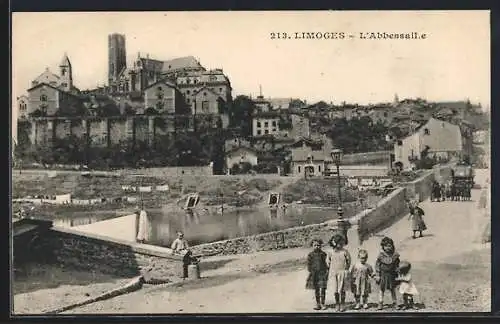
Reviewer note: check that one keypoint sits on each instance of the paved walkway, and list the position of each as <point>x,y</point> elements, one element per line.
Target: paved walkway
<point>237,284</point>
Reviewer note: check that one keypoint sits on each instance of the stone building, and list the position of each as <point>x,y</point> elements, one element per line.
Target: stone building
<point>265,123</point>
<point>442,139</point>
<point>47,100</point>
<point>117,57</point>
<point>207,102</point>
<point>164,97</point>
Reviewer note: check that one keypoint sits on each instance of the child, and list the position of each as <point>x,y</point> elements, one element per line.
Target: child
<point>386,269</point>
<point>361,272</point>
<point>339,262</point>
<point>417,220</point>
<point>318,273</point>
<point>406,287</point>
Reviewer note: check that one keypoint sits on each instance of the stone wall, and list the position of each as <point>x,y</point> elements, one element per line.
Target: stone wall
<point>178,171</point>
<point>288,238</point>
<point>366,158</point>
<point>90,252</point>
<point>387,212</point>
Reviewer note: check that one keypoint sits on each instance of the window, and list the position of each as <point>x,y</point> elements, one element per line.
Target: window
<point>205,106</point>
<point>319,168</point>
<point>159,88</point>
<point>187,100</point>
<point>204,93</point>
<point>188,81</point>
<point>426,131</point>
<point>220,89</point>
<point>188,92</point>
<point>274,129</point>
<point>400,143</point>
<point>43,98</point>
<point>159,95</point>
<point>266,131</point>
<point>274,123</point>
<point>298,169</point>
<point>259,132</point>
<point>259,125</point>
<point>266,124</point>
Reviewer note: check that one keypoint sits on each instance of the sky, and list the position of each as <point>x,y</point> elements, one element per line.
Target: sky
<point>452,63</point>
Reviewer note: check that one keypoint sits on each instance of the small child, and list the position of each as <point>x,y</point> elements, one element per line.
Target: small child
<point>339,262</point>
<point>361,273</point>
<point>386,269</point>
<point>318,273</point>
<point>407,287</point>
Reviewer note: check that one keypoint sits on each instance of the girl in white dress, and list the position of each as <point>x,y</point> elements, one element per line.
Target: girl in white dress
<point>339,262</point>
<point>406,286</point>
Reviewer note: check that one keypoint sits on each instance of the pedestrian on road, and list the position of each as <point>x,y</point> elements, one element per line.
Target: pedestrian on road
<point>339,263</point>
<point>361,273</point>
<point>318,273</point>
<point>406,286</point>
<point>386,271</point>
<point>143,226</point>
<point>417,219</point>
<point>180,247</point>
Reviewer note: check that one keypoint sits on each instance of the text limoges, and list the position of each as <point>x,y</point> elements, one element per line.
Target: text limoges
<point>307,35</point>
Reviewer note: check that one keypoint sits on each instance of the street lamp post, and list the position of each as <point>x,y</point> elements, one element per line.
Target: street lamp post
<point>342,224</point>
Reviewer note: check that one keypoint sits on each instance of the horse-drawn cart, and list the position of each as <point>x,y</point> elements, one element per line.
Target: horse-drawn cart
<point>462,177</point>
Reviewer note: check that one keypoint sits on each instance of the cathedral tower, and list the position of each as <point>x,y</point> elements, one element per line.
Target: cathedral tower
<point>117,57</point>
<point>66,74</point>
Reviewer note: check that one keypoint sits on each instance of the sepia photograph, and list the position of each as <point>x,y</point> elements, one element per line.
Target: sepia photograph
<point>257,162</point>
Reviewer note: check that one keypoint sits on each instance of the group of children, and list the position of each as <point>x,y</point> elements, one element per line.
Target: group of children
<point>333,270</point>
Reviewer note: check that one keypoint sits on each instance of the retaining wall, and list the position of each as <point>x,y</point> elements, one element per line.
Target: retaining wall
<point>90,252</point>
<point>176,171</point>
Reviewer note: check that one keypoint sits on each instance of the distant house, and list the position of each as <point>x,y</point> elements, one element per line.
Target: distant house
<point>265,123</point>
<point>313,160</point>
<point>164,97</point>
<point>241,155</point>
<point>443,139</point>
<point>50,100</point>
<point>207,102</point>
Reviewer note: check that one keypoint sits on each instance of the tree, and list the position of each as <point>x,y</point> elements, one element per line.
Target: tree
<point>240,116</point>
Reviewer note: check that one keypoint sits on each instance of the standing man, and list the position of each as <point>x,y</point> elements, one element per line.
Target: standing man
<point>180,246</point>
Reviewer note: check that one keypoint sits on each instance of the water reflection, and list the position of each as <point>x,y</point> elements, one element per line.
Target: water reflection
<point>211,223</point>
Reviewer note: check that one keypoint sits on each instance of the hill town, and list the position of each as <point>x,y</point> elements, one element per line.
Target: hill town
<point>179,113</point>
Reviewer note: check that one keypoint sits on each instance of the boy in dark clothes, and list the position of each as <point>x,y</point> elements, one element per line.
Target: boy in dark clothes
<point>318,273</point>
